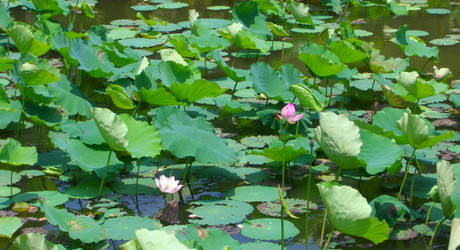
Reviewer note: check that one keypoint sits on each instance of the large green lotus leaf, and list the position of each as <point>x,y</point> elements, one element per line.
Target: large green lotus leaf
<point>210,238</point>
<point>7,117</point>
<point>88,158</point>
<point>163,115</point>
<point>143,139</point>
<point>35,241</point>
<point>417,132</point>
<point>412,45</point>
<point>194,139</point>
<point>257,193</point>
<point>88,188</point>
<point>112,128</point>
<point>156,239</point>
<point>6,63</point>
<point>8,191</point>
<point>173,56</point>
<point>277,30</point>
<point>267,80</point>
<point>378,152</point>
<point>388,118</point>
<point>69,97</point>
<point>378,63</point>
<point>349,213</point>
<point>53,198</point>
<point>268,229</point>
<point>183,46</point>
<point>119,97</point>
<point>80,227</point>
<point>87,131</point>
<point>91,59</point>
<point>295,206</point>
<point>157,97</point>
<point>346,52</point>
<point>49,115</point>
<point>122,228</point>
<point>5,202</point>
<point>227,104</point>
<point>231,72</point>
<point>4,101</point>
<point>171,72</point>
<point>51,6</point>
<point>121,33</point>
<point>12,153</point>
<point>300,11</point>
<point>389,208</point>
<point>339,138</point>
<point>248,14</point>
<point>4,16</point>
<point>306,98</point>
<point>320,61</point>
<point>245,39</point>
<point>416,87</point>
<point>37,73</point>
<point>195,91</point>
<point>209,41</point>
<point>221,212</point>
<point>27,39</point>
<point>446,185</point>
<point>9,225</point>
<point>276,152</point>
<point>6,179</point>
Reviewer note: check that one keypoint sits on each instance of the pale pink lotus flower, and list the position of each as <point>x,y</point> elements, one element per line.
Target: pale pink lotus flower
<point>168,185</point>
<point>288,113</point>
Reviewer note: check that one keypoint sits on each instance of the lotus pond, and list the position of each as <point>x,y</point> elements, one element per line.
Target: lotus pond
<point>259,124</point>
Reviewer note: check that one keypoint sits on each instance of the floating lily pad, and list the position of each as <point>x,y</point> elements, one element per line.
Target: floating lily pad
<point>121,33</point>
<point>144,7</point>
<point>258,141</point>
<point>122,228</point>
<point>87,189</point>
<point>139,42</point>
<point>295,206</point>
<point>417,33</point>
<point>5,177</point>
<point>128,186</point>
<point>401,233</point>
<point>172,5</point>
<point>444,41</point>
<point>6,191</point>
<point>257,193</point>
<point>52,198</point>
<point>218,7</point>
<point>5,202</point>
<point>220,212</point>
<point>363,33</point>
<point>9,225</point>
<point>268,229</point>
<point>438,11</point>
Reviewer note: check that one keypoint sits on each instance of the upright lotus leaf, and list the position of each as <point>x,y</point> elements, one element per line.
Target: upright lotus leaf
<point>79,227</point>
<point>28,39</point>
<point>12,153</point>
<point>90,59</point>
<point>172,72</point>
<point>87,10</point>
<point>300,11</point>
<point>4,100</point>
<point>185,136</point>
<point>53,7</point>
<point>4,16</point>
<point>38,72</point>
<point>446,185</point>
<point>156,239</point>
<point>417,131</point>
<point>35,241</point>
<point>320,61</point>
<point>277,30</point>
<point>9,225</point>
<point>69,97</point>
<point>248,14</point>
<point>267,80</point>
<point>340,140</point>
<point>143,139</point>
<point>195,91</point>
<point>378,64</point>
<point>119,97</point>
<point>398,9</point>
<point>306,98</point>
<point>278,153</point>
<point>173,56</point>
<point>6,63</point>
<point>231,72</point>
<point>349,213</point>
<point>378,152</point>
<point>183,46</point>
<point>412,45</point>
<point>391,209</point>
<point>416,87</point>
<point>112,128</point>
<point>346,52</point>
<point>12,116</point>
<point>245,39</point>
<point>157,97</point>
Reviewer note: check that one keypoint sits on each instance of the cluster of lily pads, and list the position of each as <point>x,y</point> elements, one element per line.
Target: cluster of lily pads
<point>98,123</point>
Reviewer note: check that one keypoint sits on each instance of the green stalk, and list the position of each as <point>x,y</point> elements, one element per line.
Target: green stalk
<point>105,175</point>
<point>307,227</point>
<point>234,88</point>
<point>11,183</point>
<point>323,227</point>
<point>328,240</point>
<point>427,217</point>
<point>282,188</point>
<point>411,198</point>
<point>405,174</point>
<point>435,230</point>
<point>137,176</point>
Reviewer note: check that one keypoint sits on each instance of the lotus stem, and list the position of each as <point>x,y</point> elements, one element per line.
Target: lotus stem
<point>373,101</point>
<point>412,187</point>
<point>105,174</point>
<point>137,176</point>
<point>234,88</point>
<point>282,190</point>
<point>307,227</point>
<point>328,240</point>
<point>435,230</point>
<point>11,182</point>
<point>423,67</point>
<point>323,227</point>
<point>427,217</point>
<point>405,174</point>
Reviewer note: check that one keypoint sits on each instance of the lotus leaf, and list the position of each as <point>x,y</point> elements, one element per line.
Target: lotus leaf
<point>207,238</point>
<point>69,97</point>
<point>295,206</point>
<point>52,198</point>
<point>86,189</point>
<point>349,213</point>
<point>197,90</point>
<point>123,228</point>
<point>258,193</point>
<point>447,186</point>
<point>268,229</point>
<point>306,98</point>
<point>130,185</point>
<point>87,131</point>
<point>215,212</point>
<point>143,139</point>
<point>12,153</point>
<point>346,52</point>
<point>113,129</point>
<point>9,225</point>
<point>37,73</point>
<point>156,239</point>
<point>119,97</point>
<point>35,241</point>
<point>267,80</point>
<point>389,208</point>
<point>320,61</point>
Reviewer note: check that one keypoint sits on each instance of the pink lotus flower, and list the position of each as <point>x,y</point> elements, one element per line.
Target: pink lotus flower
<point>288,113</point>
<point>168,185</point>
